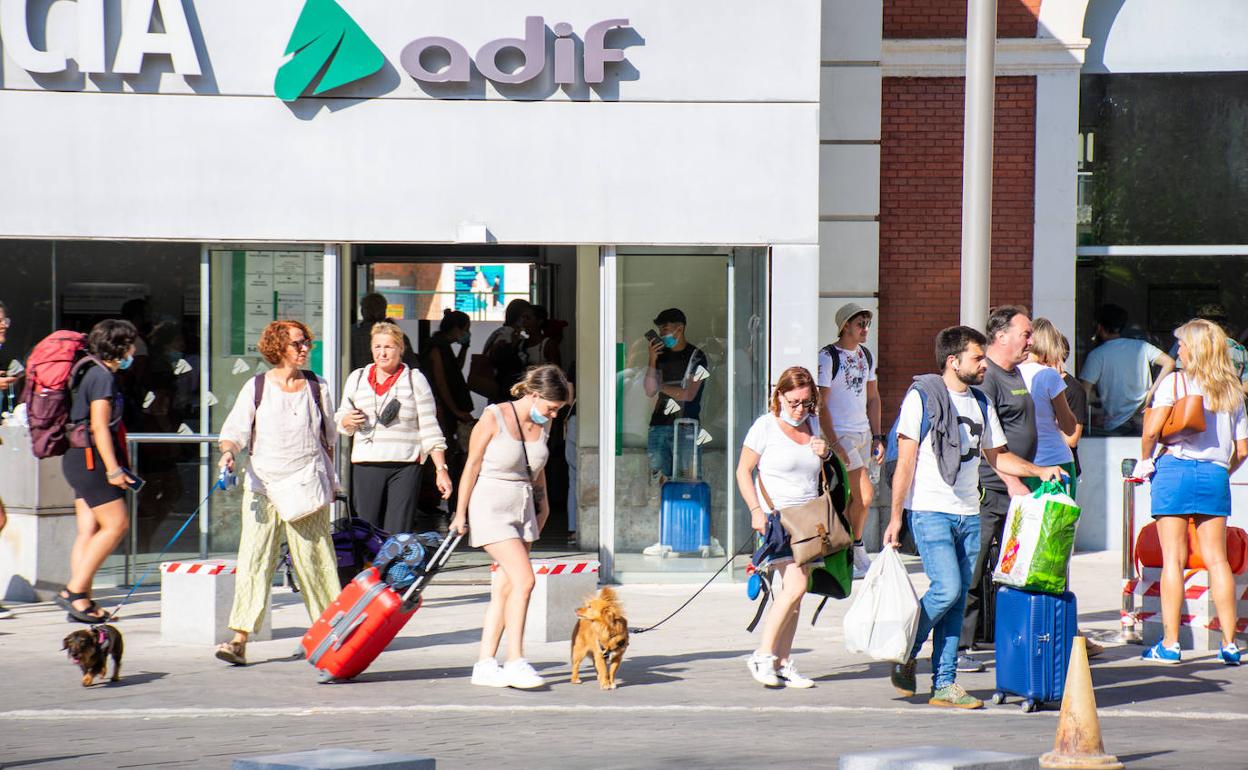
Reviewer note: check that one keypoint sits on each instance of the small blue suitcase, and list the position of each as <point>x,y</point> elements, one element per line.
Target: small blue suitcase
<point>1033,641</point>
<point>685,503</point>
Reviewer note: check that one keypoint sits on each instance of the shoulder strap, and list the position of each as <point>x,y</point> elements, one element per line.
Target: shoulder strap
<point>411,385</point>
<point>257,385</point>
<point>925,420</point>
<point>523,448</point>
<point>870,358</point>
<point>982,399</point>
<point>314,390</point>
<point>830,351</point>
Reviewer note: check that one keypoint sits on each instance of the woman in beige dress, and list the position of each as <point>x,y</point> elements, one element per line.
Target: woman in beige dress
<point>503,506</point>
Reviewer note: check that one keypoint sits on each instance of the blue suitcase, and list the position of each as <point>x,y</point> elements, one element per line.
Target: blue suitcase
<point>1033,641</point>
<point>685,517</point>
<point>685,502</point>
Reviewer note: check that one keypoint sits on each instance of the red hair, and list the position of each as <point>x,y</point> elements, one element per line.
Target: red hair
<point>791,379</point>
<point>275,338</point>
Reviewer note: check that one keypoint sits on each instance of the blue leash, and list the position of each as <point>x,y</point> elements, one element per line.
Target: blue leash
<point>224,481</point>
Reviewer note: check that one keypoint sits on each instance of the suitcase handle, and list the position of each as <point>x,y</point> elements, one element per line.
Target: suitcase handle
<point>337,639</point>
<point>436,562</point>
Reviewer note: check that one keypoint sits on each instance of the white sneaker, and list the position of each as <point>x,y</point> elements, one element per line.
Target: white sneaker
<point>487,673</point>
<point>519,674</point>
<point>763,668</point>
<point>5,613</point>
<point>788,673</point>
<point>658,549</point>
<point>717,550</point>
<point>862,562</point>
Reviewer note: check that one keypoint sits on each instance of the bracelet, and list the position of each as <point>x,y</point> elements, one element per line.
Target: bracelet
<point>115,473</point>
<point>444,467</point>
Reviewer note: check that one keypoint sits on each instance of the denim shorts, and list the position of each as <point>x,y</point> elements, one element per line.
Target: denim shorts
<point>1186,487</point>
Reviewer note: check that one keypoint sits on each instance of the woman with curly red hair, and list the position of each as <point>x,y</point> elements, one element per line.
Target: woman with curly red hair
<point>285,420</point>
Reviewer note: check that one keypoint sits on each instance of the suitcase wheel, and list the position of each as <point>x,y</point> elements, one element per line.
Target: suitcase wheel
<point>1029,706</point>
<point>998,698</point>
<point>324,677</point>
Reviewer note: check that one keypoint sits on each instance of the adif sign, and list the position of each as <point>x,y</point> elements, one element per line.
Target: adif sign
<point>533,48</point>
<point>136,41</point>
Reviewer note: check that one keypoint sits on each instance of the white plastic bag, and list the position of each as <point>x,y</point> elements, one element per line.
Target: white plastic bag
<point>885,614</point>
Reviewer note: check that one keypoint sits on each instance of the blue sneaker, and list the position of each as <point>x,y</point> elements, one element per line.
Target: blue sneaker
<point>1159,653</point>
<point>1230,654</point>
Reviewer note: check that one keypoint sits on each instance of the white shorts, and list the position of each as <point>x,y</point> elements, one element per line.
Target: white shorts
<point>857,447</point>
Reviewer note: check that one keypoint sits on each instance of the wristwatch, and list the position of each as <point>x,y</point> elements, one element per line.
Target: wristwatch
<point>444,467</point>
<point>879,437</point>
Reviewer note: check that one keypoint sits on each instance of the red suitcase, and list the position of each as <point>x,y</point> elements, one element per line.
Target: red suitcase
<point>354,630</point>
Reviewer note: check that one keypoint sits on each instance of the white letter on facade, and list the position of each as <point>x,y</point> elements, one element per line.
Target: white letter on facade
<point>137,41</point>
<point>90,55</point>
<point>15,35</point>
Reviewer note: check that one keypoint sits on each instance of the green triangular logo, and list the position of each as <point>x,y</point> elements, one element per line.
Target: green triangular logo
<point>325,38</point>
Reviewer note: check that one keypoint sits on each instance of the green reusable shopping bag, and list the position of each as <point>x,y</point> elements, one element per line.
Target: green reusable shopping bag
<point>1038,541</point>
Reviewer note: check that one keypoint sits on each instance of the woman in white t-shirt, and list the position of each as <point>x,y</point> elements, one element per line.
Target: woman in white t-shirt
<point>785,446</point>
<point>1048,391</point>
<point>1192,480</point>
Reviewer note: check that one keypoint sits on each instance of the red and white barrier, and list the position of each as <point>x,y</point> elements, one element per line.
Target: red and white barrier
<point>1199,627</point>
<point>561,587</point>
<point>196,597</point>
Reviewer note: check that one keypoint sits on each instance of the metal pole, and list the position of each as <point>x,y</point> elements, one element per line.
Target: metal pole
<point>981,41</point>
<point>606,412</point>
<point>1128,633</point>
<point>205,387</point>
<point>132,542</point>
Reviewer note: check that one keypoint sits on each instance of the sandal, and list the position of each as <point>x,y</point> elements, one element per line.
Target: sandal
<point>91,615</point>
<point>232,653</point>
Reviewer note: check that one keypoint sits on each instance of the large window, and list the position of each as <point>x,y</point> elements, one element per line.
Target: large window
<point>1163,185</point>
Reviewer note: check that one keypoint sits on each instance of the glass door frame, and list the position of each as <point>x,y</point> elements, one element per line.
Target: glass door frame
<point>608,416</point>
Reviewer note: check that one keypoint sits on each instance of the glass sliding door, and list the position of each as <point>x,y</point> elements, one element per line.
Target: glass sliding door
<point>689,378</point>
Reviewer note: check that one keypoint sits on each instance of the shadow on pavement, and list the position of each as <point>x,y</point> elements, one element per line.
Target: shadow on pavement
<point>463,636</point>
<point>1119,686</point>
<point>41,760</point>
<point>127,680</point>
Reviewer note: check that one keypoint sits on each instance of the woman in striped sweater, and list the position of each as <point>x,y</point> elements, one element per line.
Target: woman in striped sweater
<point>389,409</point>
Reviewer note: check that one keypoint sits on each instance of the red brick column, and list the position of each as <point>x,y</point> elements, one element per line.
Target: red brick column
<point>921,213</point>
<point>947,18</point>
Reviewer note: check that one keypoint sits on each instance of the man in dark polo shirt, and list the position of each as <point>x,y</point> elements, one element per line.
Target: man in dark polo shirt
<point>1009,340</point>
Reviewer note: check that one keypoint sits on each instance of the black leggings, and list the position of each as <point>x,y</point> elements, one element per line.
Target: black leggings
<point>384,494</point>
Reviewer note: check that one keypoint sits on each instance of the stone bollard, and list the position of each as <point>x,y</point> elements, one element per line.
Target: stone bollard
<point>195,601</point>
<point>561,587</point>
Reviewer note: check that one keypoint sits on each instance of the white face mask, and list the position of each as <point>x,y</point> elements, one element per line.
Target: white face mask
<point>789,418</point>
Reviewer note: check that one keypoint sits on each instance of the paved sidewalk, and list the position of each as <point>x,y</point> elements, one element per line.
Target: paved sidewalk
<point>685,699</point>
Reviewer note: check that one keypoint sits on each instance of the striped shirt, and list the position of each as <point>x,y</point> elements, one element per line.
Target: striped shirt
<point>410,438</point>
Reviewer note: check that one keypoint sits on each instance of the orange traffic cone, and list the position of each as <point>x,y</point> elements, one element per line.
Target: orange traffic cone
<point>1078,743</point>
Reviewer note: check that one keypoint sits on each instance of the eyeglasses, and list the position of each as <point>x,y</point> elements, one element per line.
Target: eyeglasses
<point>808,404</point>
<point>6,321</point>
<point>301,344</point>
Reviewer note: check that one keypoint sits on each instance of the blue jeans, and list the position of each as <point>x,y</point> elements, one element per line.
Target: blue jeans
<point>948,544</point>
<point>659,446</point>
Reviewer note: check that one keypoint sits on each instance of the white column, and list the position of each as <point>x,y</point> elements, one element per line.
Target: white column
<point>794,308</point>
<point>981,42</point>
<point>331,323</point>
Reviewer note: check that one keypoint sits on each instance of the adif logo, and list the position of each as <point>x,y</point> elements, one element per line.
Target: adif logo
<point>326,41</point>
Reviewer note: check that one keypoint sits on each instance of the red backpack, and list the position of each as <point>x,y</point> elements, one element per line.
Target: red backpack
<point>51,372</point>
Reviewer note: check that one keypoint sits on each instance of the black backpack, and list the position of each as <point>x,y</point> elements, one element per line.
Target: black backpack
<point>832,353</point>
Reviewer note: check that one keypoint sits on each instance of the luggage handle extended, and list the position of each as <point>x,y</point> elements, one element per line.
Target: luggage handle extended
<point>436,562</point>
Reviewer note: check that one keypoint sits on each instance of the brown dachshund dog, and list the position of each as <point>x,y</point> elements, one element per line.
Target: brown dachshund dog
<point>91,649</point>
<point>601,630</point>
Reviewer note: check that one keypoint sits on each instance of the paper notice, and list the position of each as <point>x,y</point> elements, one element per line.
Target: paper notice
<point>672,407</point>
<point>15,368</point>
<point>703,437</point>
<point>185,429</point>
<point>148,399</point>
<point>240,366</point>
<point>181,367</point>
<point>210,399</point>
<point>700,374</point>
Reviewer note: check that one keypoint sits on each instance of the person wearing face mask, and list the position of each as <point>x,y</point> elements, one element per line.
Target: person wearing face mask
<point>503,506</point>
<point>95,467</point>
<point>785,446</point>
<point>390,411</point>
<point>672,380</point>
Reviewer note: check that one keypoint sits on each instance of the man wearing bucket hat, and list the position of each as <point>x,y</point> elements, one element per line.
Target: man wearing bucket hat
<point>850,418</point>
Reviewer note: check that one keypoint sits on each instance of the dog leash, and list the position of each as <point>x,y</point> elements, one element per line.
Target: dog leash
<point>675,612</point>
<point>224,481</point>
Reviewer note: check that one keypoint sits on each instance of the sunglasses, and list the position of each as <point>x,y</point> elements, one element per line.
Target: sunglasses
<point>809,403</point>
<point>301,344</point>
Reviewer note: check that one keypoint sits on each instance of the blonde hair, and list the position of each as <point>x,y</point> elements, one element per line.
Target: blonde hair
<point>1046,342</point>
<point>391,330</point>
<point>791,379</point>
<point>1209,363</point>
<point>546,381</point>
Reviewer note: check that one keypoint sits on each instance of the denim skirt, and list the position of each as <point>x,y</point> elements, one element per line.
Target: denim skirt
<point>1184,487</point>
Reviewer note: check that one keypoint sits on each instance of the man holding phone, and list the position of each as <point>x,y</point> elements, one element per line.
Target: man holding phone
<point>673,380</point>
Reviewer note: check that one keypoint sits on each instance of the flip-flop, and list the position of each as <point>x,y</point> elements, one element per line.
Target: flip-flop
<point>232,653</point>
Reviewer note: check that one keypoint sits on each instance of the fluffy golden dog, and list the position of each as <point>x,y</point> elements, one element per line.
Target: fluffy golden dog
<point>601,630</point>
<point>91,649</point>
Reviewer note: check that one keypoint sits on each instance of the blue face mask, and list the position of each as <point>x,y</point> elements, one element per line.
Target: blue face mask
<point>669,341</point>
<point>791,420</point>
<point>467,338</point>
<point>537,417</point>
<point>124,363</point>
